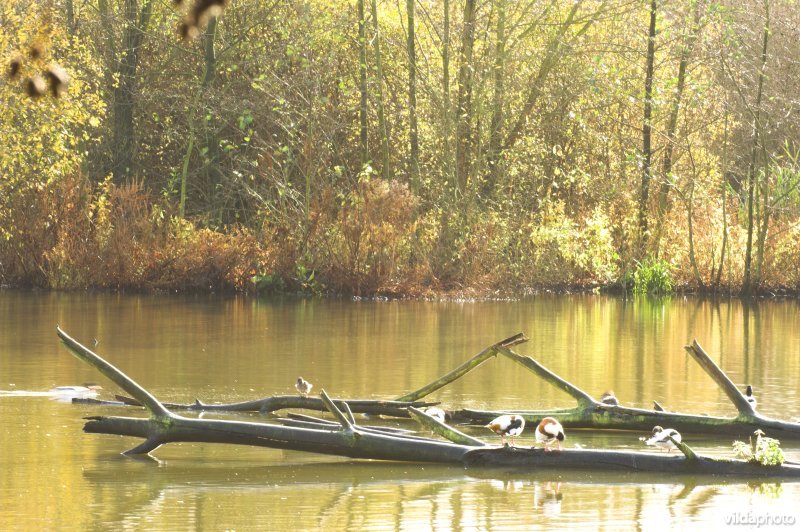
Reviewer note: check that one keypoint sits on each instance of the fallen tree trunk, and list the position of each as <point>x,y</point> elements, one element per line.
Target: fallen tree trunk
<point>164,426</point>
<point>346,438</point>
<point>601,460</point>
<point>588,414</point>
<point>593,414</point>
<point>283,402</point>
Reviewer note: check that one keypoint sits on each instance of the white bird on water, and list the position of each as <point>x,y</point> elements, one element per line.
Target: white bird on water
<point>68,393</point>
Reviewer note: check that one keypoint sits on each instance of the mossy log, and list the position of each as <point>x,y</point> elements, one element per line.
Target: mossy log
<point>590,413</point>
<point>518,459</point>
<point>346,438</point>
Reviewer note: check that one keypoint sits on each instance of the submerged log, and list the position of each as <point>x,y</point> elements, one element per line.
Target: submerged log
<point>346,438</point>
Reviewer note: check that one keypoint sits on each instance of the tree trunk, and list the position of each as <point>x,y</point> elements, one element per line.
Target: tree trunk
<point>384,132</point>
<point>446,120</point>
<point>672,126</point>
<point>124,140</point>
<point>498,101</point>
<point>690,227</point>
<point>464,99</point>
<point>69,8</point>
<point>413,155</point>
<point>111,59</point>
<point>724,187</point>
<point>764,209</point>
<point>362,83</point>
<point>208,42</point>
<point>647,154</point>
<point>747,284</point>
<point>209,75</point>
<point>124,149</point>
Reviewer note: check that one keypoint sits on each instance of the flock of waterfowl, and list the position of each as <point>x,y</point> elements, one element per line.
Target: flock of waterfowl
<point>549,431</point>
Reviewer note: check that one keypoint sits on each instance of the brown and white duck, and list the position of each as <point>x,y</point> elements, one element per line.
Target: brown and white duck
<point>510,425</point>
<point>548,431</point>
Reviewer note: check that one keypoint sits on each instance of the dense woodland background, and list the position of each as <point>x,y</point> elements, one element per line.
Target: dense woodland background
<point>387,147</point>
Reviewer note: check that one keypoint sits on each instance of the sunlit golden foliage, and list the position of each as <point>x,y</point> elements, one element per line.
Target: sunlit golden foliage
<point>260,122</point>
<point>118,238</point>
<point>45,139</point>
<point>362,239</point>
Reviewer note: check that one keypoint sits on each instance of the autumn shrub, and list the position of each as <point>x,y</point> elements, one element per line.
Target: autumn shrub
<point>145,247</point>
<point>29,225</point>
<point>786,266</point>
<point>73,235</point>
<point>362,239</point>
<point>202,259</point>
<point>71,258</point>
<point>510,251</point>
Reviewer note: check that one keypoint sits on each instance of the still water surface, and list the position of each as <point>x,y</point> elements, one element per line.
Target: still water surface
<point>52,476</point>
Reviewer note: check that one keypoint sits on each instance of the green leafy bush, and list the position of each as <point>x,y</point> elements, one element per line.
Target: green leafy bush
<point>654,277</point>
<point>764,451</point>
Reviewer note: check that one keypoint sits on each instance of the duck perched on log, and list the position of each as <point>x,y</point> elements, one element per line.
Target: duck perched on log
<point>608,398</point>
<point>507,425</point>
<point>303,386</point>
<point>750,397</point>
<point>660,438</point>
<point>548,431</point>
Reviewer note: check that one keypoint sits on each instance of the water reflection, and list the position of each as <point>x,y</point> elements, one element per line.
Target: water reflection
<point>231,349</point>
<point>348,496</point>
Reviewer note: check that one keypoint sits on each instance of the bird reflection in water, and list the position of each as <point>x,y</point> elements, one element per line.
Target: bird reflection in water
<point>548,497</point>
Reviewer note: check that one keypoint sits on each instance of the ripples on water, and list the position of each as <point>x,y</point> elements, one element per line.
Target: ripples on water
<point>231,349</point>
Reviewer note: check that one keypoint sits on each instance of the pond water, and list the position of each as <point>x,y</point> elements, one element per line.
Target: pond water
<point>227,349</point>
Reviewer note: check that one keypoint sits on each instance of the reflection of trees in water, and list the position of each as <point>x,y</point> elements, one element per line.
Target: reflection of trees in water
<point>335,496</point>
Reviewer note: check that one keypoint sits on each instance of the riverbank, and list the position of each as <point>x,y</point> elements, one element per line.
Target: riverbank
<point>75,235</point>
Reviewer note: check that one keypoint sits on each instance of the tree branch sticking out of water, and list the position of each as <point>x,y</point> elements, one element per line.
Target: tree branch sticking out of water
<point>347,439</point>
<point>591,413</point>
